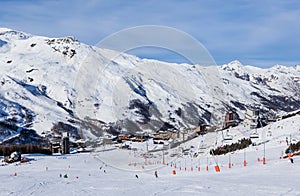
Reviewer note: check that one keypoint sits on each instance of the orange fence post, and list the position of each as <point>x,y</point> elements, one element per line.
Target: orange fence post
<point>217,168</point>
<point>245,162</point>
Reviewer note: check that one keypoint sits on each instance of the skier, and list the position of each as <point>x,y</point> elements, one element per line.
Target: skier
<point>155,173</point>
<point>136,176</point>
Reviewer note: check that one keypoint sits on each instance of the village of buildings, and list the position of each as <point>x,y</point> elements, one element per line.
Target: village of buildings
<point>164,140</point>
<point>160,141</point>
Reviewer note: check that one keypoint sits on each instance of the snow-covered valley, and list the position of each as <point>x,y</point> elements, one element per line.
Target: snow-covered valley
<point>123,172</point>
<point>277,177</point>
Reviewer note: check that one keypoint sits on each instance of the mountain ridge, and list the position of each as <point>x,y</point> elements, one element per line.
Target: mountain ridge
<point>64,80</point>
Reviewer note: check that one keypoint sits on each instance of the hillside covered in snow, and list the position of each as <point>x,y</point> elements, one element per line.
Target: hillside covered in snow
<point>52,83</point>
<point>122,172</point>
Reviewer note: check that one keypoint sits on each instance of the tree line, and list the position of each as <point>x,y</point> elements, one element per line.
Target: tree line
<point>24,149</point>
<point>293,147</point>
<point>241,144</point>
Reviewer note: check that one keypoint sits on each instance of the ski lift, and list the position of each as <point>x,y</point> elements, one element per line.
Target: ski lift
<point>254,135</point>
<point>201,147</point>
<point>227,137</point>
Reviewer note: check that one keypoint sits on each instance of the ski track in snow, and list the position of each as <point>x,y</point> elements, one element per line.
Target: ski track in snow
<point>277,177</point>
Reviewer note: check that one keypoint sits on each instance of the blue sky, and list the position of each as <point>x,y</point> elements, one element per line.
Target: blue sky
<point>260,33</point>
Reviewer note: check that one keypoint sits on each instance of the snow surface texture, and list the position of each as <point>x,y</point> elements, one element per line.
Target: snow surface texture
<point>88,175</point>
<point>49,80</point>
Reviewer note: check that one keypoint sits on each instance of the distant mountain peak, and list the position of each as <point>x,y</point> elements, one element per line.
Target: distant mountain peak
<point>235,66</point>
<point>5,29</point>
<point>235,63</point>
<point>9,34</point>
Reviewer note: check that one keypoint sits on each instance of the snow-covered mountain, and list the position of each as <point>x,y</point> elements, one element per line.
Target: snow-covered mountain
<point>49,84</point>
